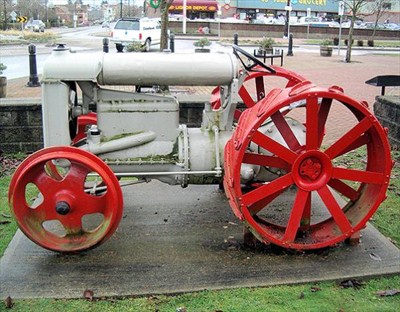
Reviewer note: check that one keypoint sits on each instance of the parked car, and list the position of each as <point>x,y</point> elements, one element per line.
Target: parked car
<point>392,26</point>
<point>371,25</point>
<point>146,31</point>
<point>35,25</point>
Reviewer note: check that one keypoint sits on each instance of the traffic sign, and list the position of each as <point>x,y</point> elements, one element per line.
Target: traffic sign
<point>13,15</point>
<point>22,19</point>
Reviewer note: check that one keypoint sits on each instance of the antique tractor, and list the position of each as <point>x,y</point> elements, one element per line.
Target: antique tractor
<point>282,171</point>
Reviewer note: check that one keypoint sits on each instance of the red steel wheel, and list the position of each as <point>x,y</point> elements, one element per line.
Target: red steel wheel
<point>254,82</point>
<point>317,197</point>
<point>68,214</point>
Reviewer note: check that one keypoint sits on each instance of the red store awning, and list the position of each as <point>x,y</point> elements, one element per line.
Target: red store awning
<point>195,5</point>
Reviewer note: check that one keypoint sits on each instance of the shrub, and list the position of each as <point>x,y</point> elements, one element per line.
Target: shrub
<point>135,46</point>
<point>266,43</point>
<point>370,43</point>
<point>326,42</point>
<point>203,42</point>
<point>2,68</point>
<point>360,43</point>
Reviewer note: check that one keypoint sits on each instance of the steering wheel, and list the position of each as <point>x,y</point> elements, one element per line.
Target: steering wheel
<point>237,50</point>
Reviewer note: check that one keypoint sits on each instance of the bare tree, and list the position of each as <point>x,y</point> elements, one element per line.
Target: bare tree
<point>379,8</point>
<point>6,10</point>
<point>128,10</point>
<point>355,7</point>
<point>33,9</point>
<point>164,6</point>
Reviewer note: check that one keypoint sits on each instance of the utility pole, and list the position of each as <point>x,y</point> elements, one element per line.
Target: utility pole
<point>286,33</point>
<point>120,9</point>
<point>184,12</point>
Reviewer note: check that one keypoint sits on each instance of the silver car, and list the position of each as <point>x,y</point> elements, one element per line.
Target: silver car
<point>35,25</point>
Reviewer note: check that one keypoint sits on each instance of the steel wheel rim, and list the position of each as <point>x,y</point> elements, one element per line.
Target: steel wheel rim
<point>345,219</point>
<point>69,189</point>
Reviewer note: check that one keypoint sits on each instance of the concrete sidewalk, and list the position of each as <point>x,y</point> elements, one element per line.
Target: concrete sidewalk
<point>174,240</point>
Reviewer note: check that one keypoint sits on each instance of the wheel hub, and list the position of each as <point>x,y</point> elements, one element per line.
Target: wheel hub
<point>310,168</point>
<point>63,208</point>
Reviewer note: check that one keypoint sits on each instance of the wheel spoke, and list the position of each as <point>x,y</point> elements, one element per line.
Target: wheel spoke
<point>93,204</point>
<point>265,160</point>
<point>312,134</point>
<point>76,176</point>
<point>344,189</point>
<point>72,225</point>
<point>45,184</point>
<point>299,205</point>
<point>260,88</point>
<point>362,140</point>
<point>52,171</point>
<point>334,208</point>
<point>45,211</point>
<point>246,97</point>
<point>322,118</point>
<point>358,175</point>
<point>348,138</point>
<point>274,147</point>
<point>285,130</point>
<point>266,190</point>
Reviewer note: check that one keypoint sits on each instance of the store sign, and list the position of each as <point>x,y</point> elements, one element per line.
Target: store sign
<point>297,5</point>
<point>206,8</point>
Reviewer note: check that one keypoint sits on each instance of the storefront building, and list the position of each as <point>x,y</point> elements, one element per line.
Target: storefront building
<point>253,9</point>
<point>259,9</point>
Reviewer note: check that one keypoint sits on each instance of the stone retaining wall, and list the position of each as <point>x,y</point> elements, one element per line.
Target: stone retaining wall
<point>387,110</point>
<point>21,122</point>
<point>20,125</point>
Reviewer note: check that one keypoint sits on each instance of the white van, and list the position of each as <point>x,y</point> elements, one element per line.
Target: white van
<point>147,31</point>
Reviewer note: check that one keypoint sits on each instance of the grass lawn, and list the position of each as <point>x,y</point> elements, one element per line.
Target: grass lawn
<point>26,36</point>
<point>326,296</point>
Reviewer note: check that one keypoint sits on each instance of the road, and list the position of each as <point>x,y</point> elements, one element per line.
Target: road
<point>91,39</point>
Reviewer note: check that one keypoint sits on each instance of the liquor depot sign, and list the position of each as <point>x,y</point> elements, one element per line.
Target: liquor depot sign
<point>194,6</point>
<point>300,5</point>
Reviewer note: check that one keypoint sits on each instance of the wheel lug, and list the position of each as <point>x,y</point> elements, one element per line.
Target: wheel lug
<point>63,208</point>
